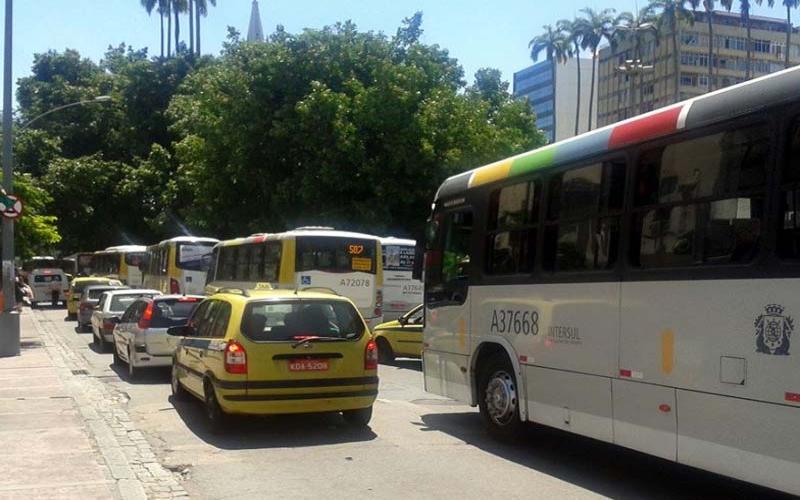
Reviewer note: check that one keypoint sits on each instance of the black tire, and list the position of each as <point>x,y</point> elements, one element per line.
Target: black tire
<point>132,370</point>
<point>99,343</point>
<point>498,397</point>
<point>359,417</point>
<point>385,352</point>
<point>214,413</point>
<point>178,391</point>
<point>34,305</point>
<point>71,317</point>
<point>117,359</point>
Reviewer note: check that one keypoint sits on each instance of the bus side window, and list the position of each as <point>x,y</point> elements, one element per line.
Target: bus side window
<point>789,229</point>
<point>449,258</point>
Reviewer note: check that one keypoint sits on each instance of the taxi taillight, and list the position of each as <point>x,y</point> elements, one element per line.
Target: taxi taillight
<point>371,356</point>
<point>147,317</point>
<point>235,358</point>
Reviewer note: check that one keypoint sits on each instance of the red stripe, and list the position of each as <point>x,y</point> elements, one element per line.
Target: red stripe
<point>642,129</point>
<point>793,397</point>
<point>624,373</point>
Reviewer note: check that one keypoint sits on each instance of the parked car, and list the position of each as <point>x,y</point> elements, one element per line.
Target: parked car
<point>402,337</point>
<point>89,299</point>
<point>48,285</point>
<point>140,337</point>
<point>77,287</point>
<point>108,311</point>
<point>277,351</point>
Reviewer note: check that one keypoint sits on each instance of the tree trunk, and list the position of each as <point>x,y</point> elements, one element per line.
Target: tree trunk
<point>161,14</point>
<point>169,35</point>
<point>197,28</point>
<point>749,42</point>
<point>177,30</point>
<point>591,86</point>
<point>788,33</point>
<point>191,26</point>
<point>709,16</point>
<point>578,102</point>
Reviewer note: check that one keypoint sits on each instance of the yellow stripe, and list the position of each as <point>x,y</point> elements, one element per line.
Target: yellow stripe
<point>490,173</point>
<point>287,262</point>
<point>667,351</point>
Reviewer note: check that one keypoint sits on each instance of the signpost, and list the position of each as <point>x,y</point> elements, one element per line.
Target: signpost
<point>10,206</point>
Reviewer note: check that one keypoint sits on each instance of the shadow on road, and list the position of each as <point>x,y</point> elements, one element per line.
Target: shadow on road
<point>603,468</point>
<point>406,364</point>
<point>144,376</point>
<point>276,431</point>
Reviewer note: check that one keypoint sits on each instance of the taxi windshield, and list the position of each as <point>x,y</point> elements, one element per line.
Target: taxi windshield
<point>293,320</point>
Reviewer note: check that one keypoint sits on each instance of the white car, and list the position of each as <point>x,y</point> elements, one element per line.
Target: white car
<point>110,308</point>
<point>48,285</point>
<point>140,337</point>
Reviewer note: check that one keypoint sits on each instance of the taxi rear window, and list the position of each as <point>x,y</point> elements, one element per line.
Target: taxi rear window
<point>298,319</point>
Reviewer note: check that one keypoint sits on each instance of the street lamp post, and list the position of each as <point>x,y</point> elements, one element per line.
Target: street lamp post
<point>9,319</point>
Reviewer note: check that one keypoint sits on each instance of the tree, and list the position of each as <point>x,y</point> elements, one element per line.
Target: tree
<point>359,126</point>
<point>201,9</point>
<point>166,11</point>
<point>596,26</point>
<point>789,4</point>
<point>669,14</point>
<point>744,7</point>
<point>35,233</point>
<point>190,10</point>
<point>574,32</point>
<point>178,7</point>
<point>708,5</point>
<point>635,28</point>
<point>555,46</point>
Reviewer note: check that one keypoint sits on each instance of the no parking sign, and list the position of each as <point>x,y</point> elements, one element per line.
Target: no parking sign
<point>10,206</point>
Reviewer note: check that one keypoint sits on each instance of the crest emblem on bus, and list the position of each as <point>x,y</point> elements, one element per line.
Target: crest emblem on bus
<point>773,331</point>
<point>305,280</point>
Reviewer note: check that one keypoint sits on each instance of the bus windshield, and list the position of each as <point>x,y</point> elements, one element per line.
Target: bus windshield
<point>194,256</point>
<point>335,254</point>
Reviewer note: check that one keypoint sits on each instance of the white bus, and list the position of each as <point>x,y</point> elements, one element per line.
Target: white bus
<point>401,292</point>
<point>178,265</point>
<point>122,263</point>
<point>347,263</point>
<point>638,284</point>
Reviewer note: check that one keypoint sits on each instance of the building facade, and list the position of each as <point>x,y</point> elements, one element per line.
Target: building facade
<point>624,93</point>
<point>552,91</point>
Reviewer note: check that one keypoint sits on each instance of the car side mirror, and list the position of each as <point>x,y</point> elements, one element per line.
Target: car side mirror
<point>181,331</point>
<point>402,320</point>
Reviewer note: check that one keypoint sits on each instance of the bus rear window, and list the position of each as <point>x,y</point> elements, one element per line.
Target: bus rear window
<point>47,278</point>
<point>194,256</point>
<point>134,259</point>
<point>335,254</point>
<point>398,258</point>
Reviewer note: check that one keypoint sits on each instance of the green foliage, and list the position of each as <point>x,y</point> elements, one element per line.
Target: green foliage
<point>36,232</point>
<point>335,127</point>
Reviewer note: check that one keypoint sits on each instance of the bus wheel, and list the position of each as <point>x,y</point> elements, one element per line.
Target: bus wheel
<point>498,397</point>
<point>385,352</point>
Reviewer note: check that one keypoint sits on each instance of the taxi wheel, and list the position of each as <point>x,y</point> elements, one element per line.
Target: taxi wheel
<point>359,417</point>
<point>132,371</point>
<point>117,360</point>
<point>385,352</point>
<point>98,343</point>
<point>34,305</point>
<point>178,392</point>
<point>498,398</point>
<point>214,412</point>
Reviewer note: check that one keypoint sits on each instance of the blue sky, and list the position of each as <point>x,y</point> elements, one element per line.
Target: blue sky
<point>478,33</point>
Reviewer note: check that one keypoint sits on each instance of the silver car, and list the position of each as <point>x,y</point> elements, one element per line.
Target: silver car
<point>140,337</point>
<point>108,311</point>
<point>89,299</point>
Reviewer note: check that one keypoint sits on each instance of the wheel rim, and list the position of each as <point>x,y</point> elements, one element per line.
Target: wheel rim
<point>501,398</point>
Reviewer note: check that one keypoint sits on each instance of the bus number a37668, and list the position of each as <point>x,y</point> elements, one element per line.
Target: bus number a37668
<point>515,321</point>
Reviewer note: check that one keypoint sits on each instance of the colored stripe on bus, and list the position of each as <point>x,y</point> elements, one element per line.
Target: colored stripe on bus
<point>648,127</point>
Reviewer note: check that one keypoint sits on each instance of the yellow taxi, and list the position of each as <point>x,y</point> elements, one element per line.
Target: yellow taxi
<point>77,287</point>
<point>402,337</point>
<point>276,351</point>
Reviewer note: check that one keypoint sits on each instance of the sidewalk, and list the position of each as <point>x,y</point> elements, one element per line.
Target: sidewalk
<point>62,435</point>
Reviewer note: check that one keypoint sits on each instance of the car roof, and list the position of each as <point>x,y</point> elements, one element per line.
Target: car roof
<point>92,278</point>
<point>47,270</point>
<point>174,296</point>
<point>277,294</point>
<point>130,291</point>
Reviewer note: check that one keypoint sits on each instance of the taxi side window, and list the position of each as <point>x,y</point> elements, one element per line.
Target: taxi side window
<point>203,321</point>
<point>222,316</point>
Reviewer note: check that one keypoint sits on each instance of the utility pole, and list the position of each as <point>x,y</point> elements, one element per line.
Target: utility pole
<point>9,318</point>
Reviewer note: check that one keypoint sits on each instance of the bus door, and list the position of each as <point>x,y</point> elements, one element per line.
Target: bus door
<point>447,305</point>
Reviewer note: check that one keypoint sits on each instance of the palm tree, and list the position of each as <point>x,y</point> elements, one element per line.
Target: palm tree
<point>191,26</point>
<point>165,7</point>
<point>596,26</point>
<point>149,5</point>
<point>789,4</point>
<point>201,9</point>
<point>744,8</point>
<point>636,28</point>
<point>178,8</point>
<point>573,30</point>
<point>669,14</point>
<point>555,46</point>
<point>708,5</point>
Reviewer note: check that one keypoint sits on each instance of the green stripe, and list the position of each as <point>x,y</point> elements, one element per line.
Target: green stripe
<point>535,160</point>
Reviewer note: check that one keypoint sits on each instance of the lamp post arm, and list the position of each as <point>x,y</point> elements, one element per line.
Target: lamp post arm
<point>59,108</point>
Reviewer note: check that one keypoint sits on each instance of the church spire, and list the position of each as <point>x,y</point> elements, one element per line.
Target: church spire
<point>255,33</point>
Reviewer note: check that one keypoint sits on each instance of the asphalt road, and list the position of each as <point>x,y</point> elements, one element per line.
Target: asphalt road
<point>418,445</point>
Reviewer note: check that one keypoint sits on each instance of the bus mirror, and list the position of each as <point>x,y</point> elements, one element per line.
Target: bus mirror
<point>419,260</point>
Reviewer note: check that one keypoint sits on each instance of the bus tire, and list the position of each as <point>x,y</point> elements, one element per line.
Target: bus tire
<point>385,352</point>
<point>498,397</point>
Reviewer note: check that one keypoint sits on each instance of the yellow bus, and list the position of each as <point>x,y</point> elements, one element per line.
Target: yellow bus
<point>178,265</point>
<point>120,262</point>
<point>348,263</point>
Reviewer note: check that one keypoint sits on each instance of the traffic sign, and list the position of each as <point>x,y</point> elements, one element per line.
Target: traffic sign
<point>10,206</point>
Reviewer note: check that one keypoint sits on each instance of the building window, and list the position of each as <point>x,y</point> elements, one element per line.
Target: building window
<point>687,80</point>
<point>689,39</point>
<point>702,81</point>
<point>762,46</point>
